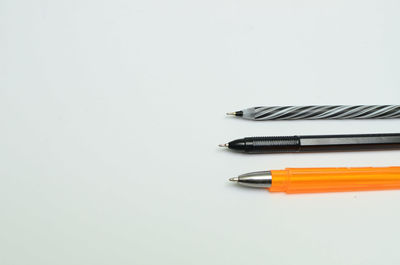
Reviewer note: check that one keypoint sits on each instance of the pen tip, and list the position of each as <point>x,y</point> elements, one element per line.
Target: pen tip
<point>231,113</point>
<point>223,145</point>
<point>234,179</point>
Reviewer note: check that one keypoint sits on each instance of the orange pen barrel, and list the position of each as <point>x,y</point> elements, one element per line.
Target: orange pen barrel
<point>311,180</point>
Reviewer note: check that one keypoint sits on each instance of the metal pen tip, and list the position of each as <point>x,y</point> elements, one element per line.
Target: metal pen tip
<point>231,113</point>
<point>236,179</point>
<point>223,145</point>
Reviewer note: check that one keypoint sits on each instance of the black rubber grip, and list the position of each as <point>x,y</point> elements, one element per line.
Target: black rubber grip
<point>272,144</point>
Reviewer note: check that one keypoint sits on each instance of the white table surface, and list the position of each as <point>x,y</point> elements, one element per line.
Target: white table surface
<point>111,112</point>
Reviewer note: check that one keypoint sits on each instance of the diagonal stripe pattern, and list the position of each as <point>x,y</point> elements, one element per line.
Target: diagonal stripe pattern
<point>327,112</point>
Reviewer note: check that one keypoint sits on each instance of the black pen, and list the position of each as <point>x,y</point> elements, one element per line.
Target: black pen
<point>316,143</point>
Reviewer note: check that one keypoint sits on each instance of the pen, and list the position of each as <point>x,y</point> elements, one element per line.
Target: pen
<point>319,112</point>
<point>315,143</point>
<point>311,180</point>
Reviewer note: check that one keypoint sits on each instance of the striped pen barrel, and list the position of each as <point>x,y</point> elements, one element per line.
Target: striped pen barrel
<point>319,112</point>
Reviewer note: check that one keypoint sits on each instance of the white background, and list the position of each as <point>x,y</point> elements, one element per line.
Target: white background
<point>111,112</point>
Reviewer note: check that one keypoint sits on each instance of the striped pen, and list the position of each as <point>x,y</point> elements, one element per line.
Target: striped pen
<point>319,112</point>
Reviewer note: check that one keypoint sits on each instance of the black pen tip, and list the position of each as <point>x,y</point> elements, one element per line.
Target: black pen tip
<point>235,113</point>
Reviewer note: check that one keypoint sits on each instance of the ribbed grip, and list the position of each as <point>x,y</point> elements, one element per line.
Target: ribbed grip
<point>272,144</point>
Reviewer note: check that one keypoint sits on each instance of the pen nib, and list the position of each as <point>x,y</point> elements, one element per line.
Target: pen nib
<point>223,145</point>
<point>231,113</point>
<point>234,179</point>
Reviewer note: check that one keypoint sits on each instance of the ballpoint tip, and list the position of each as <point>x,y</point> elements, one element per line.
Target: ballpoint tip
<point>234,179</point>
<point>231,113</point>
<point>223,145</point>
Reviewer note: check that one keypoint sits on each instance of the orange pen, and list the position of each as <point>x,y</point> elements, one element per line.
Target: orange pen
<point>311,180</point>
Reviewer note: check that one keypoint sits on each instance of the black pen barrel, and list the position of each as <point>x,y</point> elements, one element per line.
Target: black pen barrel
<point>357,142</point>
<point>317,143</point>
